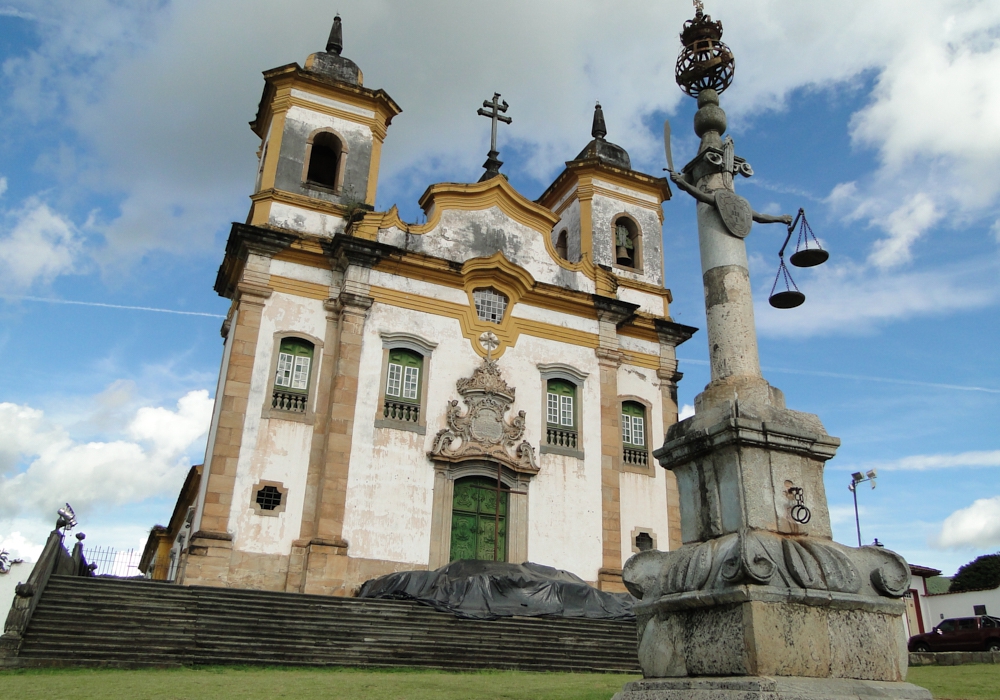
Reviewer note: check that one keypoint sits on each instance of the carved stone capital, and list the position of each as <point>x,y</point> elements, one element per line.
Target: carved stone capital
<point>671,333</point>
<point>609,358</point>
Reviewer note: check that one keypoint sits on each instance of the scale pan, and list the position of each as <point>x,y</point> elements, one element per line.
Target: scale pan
<point>787,300</point>
<point>810,257</point>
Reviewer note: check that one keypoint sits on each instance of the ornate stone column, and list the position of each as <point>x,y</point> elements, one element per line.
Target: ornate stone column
<point>759,602</point>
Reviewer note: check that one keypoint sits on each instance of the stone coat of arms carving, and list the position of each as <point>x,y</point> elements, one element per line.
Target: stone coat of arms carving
<point>736,212</point>
<point>482,431</point>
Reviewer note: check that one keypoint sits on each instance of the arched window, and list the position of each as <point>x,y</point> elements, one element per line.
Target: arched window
<point>560,414</point>
<point>402,386</point>
<point>628,243</point>
<point>478,520</point>
<point>291,377</point>
<point>561,245</point>
<point>634,450</point>
<point>325,155</point>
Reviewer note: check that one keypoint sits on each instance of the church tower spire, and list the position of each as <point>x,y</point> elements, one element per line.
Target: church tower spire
<point>335,44</point>
<point>600,129</point>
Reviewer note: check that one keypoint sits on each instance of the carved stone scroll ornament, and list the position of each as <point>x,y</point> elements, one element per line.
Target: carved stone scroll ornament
<point>761,558</point>
<point>482,431</point>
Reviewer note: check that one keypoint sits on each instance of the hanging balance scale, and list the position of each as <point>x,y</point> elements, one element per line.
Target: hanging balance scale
<point>805,255</point>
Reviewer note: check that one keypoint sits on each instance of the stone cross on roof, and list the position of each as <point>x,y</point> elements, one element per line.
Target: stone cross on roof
<point>493,109</point>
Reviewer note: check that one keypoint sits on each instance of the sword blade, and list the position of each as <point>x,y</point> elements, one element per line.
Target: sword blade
<point>666,145</point>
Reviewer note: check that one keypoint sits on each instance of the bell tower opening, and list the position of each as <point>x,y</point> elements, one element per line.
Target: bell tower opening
<point>478,520</point>
<point>325,153</point>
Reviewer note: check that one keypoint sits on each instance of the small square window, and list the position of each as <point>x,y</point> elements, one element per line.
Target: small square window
<point>490,305</point>
<point>268,498</point>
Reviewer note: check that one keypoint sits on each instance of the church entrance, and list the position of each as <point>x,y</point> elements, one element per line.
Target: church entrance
<point>478,520</point>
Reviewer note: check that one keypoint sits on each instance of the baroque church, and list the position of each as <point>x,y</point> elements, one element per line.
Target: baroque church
<point>489,384</point>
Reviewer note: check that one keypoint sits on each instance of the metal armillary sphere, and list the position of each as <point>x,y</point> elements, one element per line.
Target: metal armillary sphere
<point>704,62</point>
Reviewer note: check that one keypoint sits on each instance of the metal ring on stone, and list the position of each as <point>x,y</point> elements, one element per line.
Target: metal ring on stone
<point>801,514</point>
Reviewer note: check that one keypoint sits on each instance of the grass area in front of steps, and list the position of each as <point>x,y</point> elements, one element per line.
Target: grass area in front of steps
<point>253,683</point>
<point>966,682</point>
<point>963,682</point>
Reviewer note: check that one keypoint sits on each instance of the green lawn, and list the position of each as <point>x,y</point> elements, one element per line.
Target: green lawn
<point>971,682</point>
<point>304,684</point>
<point>967,682</point>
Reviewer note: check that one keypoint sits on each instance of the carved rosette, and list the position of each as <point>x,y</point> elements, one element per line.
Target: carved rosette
<point>482,431</point>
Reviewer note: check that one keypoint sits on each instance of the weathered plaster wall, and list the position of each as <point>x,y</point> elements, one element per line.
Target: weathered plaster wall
<point>419,287</point>
<point>941,607</point>
<point>605,210</point>
<point>643,498</point>
<point>556,318</point>
<point>390,486</point>
<point>304,220</point>
<point>299,124</point>
<point>464,235</point>
<point>650,303</point>
<point>306,273</point>
<point>274,449</point>
<point>570,221</point>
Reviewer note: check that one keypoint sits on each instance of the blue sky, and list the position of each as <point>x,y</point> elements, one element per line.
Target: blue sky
<point>125,154</point>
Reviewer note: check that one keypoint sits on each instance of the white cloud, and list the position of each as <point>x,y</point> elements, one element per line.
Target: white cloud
<point>921,463</point>
<point>39,246</point>
<point>20,547</point>
<point>95,474</point>
<point>905,225</point>
<point>3,186</point>
<point>851,298</point>
<point>687,410</point>
<point>977,526</point>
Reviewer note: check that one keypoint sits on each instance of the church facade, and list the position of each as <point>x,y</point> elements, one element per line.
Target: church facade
<point>489,384</point>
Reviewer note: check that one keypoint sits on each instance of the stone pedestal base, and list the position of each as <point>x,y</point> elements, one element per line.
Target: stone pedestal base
<point>206,562</point>
<point>769,688</point>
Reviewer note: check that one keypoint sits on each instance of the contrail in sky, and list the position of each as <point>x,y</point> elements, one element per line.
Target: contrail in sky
<point>865,378</point>
<point>108,306</point>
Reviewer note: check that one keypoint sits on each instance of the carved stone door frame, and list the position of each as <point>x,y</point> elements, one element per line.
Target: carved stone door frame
<point>445,475</point>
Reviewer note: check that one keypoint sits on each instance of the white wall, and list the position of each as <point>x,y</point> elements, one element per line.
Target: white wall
<point>8,582</point>
<point>274,449</point>
<point>960,605</point>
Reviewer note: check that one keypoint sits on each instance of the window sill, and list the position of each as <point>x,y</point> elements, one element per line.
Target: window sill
<point>564,451</point>
<point>624,268</point>
<point>401,425</point>
<point>308,417</point>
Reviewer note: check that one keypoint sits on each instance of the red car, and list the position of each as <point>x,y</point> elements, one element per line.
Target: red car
<point>980,633</point>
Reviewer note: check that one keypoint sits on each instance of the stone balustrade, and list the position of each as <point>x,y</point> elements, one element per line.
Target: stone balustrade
<point>401,411</point>
<point>289,401</point>
<point>558,437</point>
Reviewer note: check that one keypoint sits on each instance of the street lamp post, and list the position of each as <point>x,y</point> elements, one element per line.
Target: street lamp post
<point>859,478</point>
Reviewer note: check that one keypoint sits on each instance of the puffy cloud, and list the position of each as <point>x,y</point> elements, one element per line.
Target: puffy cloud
<point>905,225</point>
<point>977,526</point>
<point>89,474</point>
<point>20,547</point>
<point>687,410</point>
<point>39,246</point>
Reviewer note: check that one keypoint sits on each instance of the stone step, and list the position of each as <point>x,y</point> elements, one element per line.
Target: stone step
<point>141,623</point>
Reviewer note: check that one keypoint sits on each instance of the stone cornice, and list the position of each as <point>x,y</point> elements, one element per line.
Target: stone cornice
<point>245,239</point>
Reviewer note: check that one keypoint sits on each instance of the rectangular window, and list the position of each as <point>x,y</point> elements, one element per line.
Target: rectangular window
<point>395,376</point>
<point>565,410</point>
<point>638,431</point>
<point>300,375</point>
<point>410,377</point>
<point>552,406</point>
<point>627,429</point>
<point>283,377</point>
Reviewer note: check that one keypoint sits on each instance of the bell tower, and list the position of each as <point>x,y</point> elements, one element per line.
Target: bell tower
<point>321,137</point>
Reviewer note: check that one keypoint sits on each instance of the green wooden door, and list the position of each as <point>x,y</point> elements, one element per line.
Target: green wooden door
<point>473,520</point>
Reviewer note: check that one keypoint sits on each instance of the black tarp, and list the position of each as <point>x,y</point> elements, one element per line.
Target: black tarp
<point>486,590</point>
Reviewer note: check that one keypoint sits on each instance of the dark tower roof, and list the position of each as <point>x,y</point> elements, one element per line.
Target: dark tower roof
<point>602,150</point>
<point>330,63</point>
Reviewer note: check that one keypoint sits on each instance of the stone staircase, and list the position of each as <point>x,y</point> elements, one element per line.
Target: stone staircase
<point>113,622</point>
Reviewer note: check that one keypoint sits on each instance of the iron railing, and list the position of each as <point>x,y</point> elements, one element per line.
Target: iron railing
<point>114,562</point>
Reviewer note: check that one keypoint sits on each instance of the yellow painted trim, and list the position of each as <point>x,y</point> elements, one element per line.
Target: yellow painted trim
<point>299,200</point>
<point>276,131</point>
<point>309,290</point>
<point>373,167</point>
<point>304,257</point>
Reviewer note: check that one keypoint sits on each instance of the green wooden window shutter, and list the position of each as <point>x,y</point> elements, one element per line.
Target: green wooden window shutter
<point>634,425</point>
<point>560,403</point>
<point>403,375</point>
<point>294,362</point>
